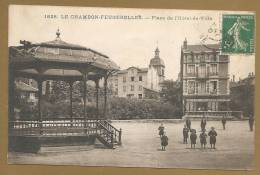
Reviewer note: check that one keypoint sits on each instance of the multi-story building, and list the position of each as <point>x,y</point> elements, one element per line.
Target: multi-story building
<point>205,80</point>
<point>135,82</point>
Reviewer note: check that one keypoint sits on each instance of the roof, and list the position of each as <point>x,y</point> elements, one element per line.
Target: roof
<point>157,62</point>
<point>140,70</point>
<point>25,87</point>
<point>202,48</point>
<point>60,55</point>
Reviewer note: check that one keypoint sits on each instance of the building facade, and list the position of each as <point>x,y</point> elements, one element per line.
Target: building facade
<point>135,82</point>
<point>205,80</point>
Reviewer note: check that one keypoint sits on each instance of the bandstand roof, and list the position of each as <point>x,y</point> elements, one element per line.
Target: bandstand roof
<point>59,60</point>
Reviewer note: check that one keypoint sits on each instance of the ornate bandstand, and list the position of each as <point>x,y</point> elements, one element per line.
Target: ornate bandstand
<point>60,61</point>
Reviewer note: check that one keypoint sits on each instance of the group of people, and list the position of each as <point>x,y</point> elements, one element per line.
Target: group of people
<point>203,135</point>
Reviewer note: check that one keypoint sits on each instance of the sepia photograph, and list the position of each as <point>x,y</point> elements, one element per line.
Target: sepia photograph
<point>121,87</point>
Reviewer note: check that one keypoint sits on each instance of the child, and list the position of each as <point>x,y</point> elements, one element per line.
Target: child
<point>161,130</point>
<point>203,139</point>
<point>164,141</point>
<point>212,137</point>
<point>193,138</point>
<point>203,123</point>
<point>188,123</point>
<point>224,120</point>
<point>185,134</point>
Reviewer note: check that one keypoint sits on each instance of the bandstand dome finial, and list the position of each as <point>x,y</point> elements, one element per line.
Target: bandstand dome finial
<point>58,33</point>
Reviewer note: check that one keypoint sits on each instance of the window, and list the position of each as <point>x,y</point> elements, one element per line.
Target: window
<point>198,58</point>
<point>162,72</point>
<point>191,87</point>
<point>189,58</point>
<point>213,87</point>
<point>206,57</point>
<point>213,57</point>
<point>140,96</point>
<point>132,87</point>
<point>213,69</point>
<point>124,88</point>
<point>132,78</point>
<point>202,70</point>
<point>202,58</point>
<point>130,95</point>
<point>140,78</point>
<point>124,79</point>
<point>201,87</point>
<point>140,88</point>
<point>191,69</point>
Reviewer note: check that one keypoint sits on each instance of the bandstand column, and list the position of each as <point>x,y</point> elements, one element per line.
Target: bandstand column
<point>39,82</point>
<point>71,111</point>
<point>85,78</point>
<point>97,96</point>
<point>105,96</point>
<point>11,98</point>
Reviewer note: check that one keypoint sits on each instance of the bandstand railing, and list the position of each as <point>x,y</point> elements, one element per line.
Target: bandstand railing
<point>66,126</point>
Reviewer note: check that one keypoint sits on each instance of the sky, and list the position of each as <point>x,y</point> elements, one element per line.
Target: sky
<point>128,42</point>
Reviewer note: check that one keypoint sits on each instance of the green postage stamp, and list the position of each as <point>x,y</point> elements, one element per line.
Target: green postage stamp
<point>238,34</point>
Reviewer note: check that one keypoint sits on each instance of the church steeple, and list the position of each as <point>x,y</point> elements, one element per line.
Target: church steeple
<point>157,52</point>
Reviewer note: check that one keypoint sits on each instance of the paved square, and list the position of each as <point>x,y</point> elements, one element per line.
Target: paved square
<point>141,148</point>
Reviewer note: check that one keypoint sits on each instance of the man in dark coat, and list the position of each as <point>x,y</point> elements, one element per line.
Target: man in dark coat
<point>161,130</point>
<point>203,138</point>
<point>193,138</point>
<point>224,120</point>
<point>212,137</point>
<point>164,141</point>
<point>203,123</point>
<point>188,123</point>
<point>251,122</point>
<point>185,134</point>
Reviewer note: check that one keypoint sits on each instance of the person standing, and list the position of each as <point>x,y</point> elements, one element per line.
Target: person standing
<point>164,141</point>
<point>203,138</point>
<point>188,123</point>
<point>224,120</point>
<point>185,134</point>
<point>161,130</point>
<point>251,122</point>
<point>203,123</point>
<point>193,138</point>
<point>212,137</point>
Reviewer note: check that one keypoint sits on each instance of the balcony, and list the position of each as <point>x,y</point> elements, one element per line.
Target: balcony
<point>213,92</point>
<point>202,75</point>
<point>213,73</point>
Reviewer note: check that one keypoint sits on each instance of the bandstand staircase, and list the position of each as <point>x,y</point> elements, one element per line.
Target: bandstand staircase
<point>107,134</point>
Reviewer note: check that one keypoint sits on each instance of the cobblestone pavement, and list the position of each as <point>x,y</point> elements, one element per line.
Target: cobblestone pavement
<point>141,148</point>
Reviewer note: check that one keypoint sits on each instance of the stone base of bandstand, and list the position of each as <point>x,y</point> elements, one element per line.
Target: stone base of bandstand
<point>33,143</point>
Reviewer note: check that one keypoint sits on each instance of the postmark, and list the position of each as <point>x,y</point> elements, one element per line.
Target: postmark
<point>238,34</point>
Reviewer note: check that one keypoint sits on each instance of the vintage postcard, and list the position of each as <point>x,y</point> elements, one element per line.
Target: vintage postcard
<point>158,88</point>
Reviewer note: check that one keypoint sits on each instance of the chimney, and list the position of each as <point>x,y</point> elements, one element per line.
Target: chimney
<point>185,44</point>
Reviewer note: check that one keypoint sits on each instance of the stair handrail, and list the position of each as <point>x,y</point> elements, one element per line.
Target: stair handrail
<point>111,134</point>
<point>117,133</point>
